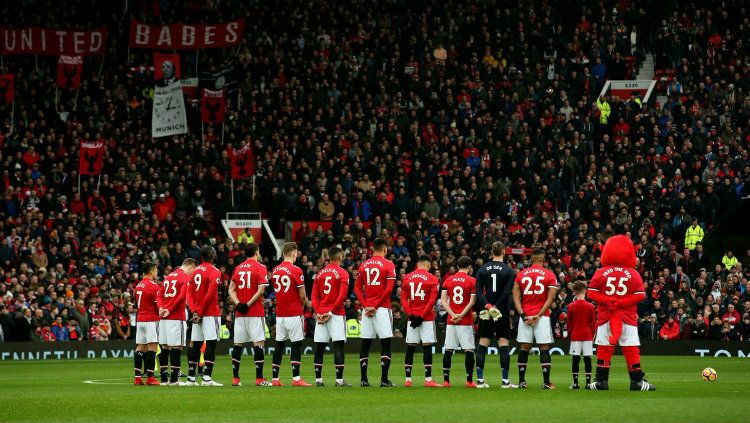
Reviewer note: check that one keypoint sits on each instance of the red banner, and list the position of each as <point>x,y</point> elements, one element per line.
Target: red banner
<point>185,37</point>
<point>69,70</point>
<point>213,106</point>
<point>38,40</point>
<point>7,88</point>
<point>243,163</point>
<point>91,158</point>
<point>166,66</point>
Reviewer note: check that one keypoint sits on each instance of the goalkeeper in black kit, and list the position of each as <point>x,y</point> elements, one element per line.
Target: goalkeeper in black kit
<point>494,288</point>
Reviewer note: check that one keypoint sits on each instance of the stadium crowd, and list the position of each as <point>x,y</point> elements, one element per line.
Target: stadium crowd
<point>441,129</point>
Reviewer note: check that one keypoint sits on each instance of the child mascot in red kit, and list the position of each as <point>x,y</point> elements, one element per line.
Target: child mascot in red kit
<point>617,288</point>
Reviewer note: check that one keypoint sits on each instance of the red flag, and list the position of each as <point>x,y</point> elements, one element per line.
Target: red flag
<point>69,69</point>
<point>213,106</point>
<point>7,88</point>
<point>91,158</point>
<point>166,67</point>
<point>243,163</point>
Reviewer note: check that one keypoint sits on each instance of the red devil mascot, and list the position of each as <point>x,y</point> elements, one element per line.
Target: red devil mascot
<point>617,288</point>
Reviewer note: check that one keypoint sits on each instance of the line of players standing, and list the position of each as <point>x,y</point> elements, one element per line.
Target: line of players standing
<point>162,317</point>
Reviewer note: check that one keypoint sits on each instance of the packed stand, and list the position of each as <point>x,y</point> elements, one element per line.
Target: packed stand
<point>441,129</point>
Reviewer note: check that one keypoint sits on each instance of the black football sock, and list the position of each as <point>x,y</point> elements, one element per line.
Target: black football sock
<point>320,348</point>
<point>505,362</point>
<point>164,365</point>
<point>296,358</point>
<point>523,359</point>
<point>208,359</point>
<point>546,359</point>
<point>447,365</point>
<point>175,356</point>
<point>278,352</point>
<point>481,353</point>
<point>469,362</point>
<point>236,360</point>
<point>409,360</point>
<point>193,357</point>
<point>576,368</point>
<point>385,358</point>
<point>150,363</point>
<point>338,359</point>
<point>138,359</point>
<point>259,361</point>
<point>364,354</point>
<point>602,370</point>
<point>427,354</point>
<point>587,367</point>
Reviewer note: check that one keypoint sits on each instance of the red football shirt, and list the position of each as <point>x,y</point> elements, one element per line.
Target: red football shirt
<point>460,287</point>
<point>205,289</point>
<point>147,300</point>
<point>248,277</point>
<point>419,293</point>
<point>374,283</point>
<point>617,282</point>
<point>535,283</point>
<point>287,279</point>
<point>581,320</point>
<point>173,290</point>
<point>330,287</point>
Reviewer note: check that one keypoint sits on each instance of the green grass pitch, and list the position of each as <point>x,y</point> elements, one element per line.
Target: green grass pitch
<point>57,391</point>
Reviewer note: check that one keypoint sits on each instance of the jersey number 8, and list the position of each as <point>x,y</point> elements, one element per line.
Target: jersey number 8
<point>458,295</point>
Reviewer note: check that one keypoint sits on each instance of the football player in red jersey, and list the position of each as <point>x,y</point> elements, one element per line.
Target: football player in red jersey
<point>458,296</point>
<point>206,316</point>
<point>289,285</point>
<point>533,293</point>
<point>330,288</point>
<point>617,288</point>
<point>148,301</point>
<point>172,326</point>
<point>373,288</point>
<point>246,289</point>
<point>581,326</point>
<point>419,292</point>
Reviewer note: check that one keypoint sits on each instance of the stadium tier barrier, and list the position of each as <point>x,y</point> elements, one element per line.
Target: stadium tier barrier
<point>124,349</point>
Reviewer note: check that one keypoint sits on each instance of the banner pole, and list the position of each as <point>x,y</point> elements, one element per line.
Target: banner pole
<point>101,66</point>
<point>202,135</point>
<point>99,182</point>
<point>79,182</point>
<point>56,98</point>
<point>232,188</point>
<point>12,113</point>
<point>75,101</point>
<point>36,63</point>
<point>253,187</point>
<point>196,62</point>
<point>2,64</point>
<point>222,132</point>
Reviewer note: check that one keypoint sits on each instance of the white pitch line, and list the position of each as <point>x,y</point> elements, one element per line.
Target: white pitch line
<point>102,381</point>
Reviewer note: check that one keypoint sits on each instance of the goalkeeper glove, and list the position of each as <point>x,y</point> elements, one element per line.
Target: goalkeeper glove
<point>484,315</point>
<point>415,321</point>
<point>242,308</point>
<point>495,313</point>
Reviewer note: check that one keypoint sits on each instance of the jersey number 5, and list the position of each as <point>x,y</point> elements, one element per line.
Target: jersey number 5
<point>327,285</point>
<point>619,289</point>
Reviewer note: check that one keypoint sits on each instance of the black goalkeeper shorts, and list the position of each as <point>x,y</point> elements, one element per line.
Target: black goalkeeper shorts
<point>492,329</point>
